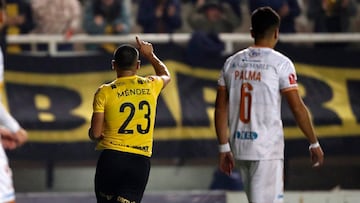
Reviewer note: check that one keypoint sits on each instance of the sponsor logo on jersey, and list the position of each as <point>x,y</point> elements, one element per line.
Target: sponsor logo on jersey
<point>246,135</point>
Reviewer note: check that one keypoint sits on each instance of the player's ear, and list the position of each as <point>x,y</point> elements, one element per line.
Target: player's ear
<point>113,64</point>
<point>252,33</point>
<point>276,34</point>
<point>138,65</point>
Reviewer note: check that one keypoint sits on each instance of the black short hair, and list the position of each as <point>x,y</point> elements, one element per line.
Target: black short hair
<point>125,56</point>
<point>264,20</point>
<point>2,4</point>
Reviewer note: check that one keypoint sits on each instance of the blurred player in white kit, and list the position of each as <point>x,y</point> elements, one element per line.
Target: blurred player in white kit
<point>12,134</point>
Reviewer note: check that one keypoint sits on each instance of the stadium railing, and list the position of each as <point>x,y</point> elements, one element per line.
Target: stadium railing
<point>230,39</point>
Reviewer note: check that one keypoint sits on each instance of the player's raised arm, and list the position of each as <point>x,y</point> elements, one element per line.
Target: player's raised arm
<point>147,50</point>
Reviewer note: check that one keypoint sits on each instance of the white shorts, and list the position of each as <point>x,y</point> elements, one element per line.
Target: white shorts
<point>263,180</point>
<point>7,193</point>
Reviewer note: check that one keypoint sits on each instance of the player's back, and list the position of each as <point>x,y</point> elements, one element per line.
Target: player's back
<point>130,107</point>
<point>254,78</point>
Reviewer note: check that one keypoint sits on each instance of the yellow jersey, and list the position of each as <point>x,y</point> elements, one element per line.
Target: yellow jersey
<point>129,107</point>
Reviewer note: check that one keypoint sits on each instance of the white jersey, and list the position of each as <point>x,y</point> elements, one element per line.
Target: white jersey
<point>7,192</point>
<point>254,79</point>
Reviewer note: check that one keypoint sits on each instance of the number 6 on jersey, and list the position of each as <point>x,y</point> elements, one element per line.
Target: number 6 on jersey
<point>245,102</point>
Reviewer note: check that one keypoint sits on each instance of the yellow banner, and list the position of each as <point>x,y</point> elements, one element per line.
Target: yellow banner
<point>186,81</point>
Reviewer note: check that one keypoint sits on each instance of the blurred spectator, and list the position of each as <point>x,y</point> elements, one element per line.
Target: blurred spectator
<point>109,17</point>
<point>57,17</point>
<point>235,5</point>
<point>288,10</point>
<point>106,17</point>
<point>208,18</point>
<point>212,16</point>
<point>331,15</point>
<point>159,16</point>
<point>19,21</point>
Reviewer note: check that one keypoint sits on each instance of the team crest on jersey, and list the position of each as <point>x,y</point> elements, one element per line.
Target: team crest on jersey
<point>143,80</point>
<point>233,65</point>
<point>254,53</point>
<point>151,78</point>
<point>292,79</point>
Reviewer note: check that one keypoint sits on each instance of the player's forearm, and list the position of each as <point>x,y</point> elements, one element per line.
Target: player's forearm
<point>221,126</point>
<point>159,67</point>
<point>221,120</point>
<point>7,120</point>
<point>221,115</point>
<point>303,119</point>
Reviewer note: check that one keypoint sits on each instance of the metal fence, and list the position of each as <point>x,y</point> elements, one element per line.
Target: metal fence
<point>230,39</point>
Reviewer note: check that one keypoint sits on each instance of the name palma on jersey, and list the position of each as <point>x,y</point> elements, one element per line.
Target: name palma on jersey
<point>247,75</point>
<point>134,92</point>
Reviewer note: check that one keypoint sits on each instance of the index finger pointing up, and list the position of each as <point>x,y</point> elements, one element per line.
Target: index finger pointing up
<point>138,41</point>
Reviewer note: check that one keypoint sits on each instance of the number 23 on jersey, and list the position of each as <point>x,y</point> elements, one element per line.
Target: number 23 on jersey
<point>142,110</point>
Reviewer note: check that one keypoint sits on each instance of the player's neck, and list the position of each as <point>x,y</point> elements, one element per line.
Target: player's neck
<point>264,44</point>
<point>260,46</point>
<point>125,73</point>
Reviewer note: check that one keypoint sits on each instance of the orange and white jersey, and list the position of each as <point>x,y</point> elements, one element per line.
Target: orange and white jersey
<point>254,78</point>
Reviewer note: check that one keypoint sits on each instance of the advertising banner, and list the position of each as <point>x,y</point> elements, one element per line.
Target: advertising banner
<point>52,98</point>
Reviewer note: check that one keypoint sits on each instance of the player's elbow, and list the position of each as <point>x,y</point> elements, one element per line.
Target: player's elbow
<point>94,136</point>
<point>166,79</point>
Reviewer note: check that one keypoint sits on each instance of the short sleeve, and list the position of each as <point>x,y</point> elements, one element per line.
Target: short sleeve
<point>221,80</point>
<point>99,101</point>
<point>158,83</point>
<point>288,77</point>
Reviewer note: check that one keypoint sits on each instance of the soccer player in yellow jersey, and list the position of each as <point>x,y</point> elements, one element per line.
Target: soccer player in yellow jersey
<point>122,124</point>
